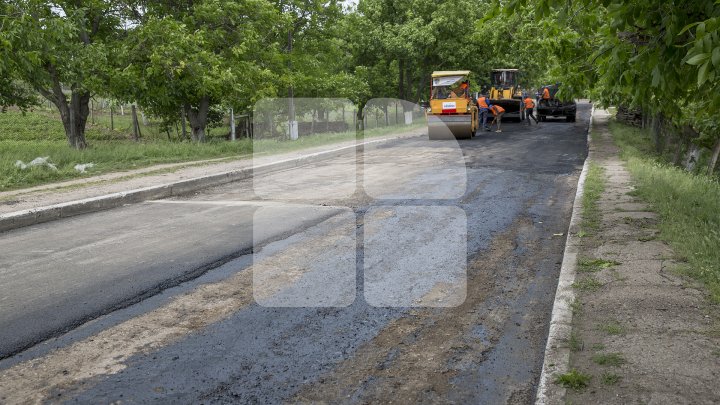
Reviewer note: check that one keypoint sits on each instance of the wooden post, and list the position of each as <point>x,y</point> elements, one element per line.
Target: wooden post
<point>112,119</point>
<point>136,124</point>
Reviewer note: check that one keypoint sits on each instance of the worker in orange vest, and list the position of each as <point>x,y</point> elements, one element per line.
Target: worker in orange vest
<point>484,107</point>
<point>498,112</point>
<point>529,108</point>
<point>546,96</point>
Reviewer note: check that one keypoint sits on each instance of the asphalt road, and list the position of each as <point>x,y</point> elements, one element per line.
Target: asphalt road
<point>416,271</point>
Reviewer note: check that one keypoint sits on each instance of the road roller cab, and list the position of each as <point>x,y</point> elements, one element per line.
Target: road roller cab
<point>453,113</point>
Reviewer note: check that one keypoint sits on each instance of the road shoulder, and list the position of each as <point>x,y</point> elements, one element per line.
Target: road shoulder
<point>640,333</point>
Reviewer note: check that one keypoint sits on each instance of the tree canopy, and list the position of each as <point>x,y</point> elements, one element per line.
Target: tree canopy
<point>183,58</point>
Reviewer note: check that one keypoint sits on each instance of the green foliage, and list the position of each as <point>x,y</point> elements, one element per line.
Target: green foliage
<point>587,265</point>
<point>214,52</point>
<point>661,56</point>
<point>573,379</point>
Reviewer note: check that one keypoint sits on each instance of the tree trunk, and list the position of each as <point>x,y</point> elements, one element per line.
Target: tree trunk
<point>184,126</point>
<point>198,119</point>
<point>112,119</point>
<point>74,115</point>
<point>714,159</point>
<point>692,158</point>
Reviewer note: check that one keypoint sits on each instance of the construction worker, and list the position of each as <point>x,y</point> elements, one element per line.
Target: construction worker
<point>483,108</point>
<point>498,112</point>
<point>546,95</point>
<point>464,89</point>
<point>529,108</point>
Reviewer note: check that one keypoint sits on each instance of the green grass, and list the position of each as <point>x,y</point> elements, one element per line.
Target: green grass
<point>688,205</point>
<point>609,359</point>
<point>40,134</point>
<point>573,379</point>
<point>575,343</point>
<point>577,307</point>
<point>590,265</point>
<point>594,187</point>
<point>588,283</point>
<point>610,378</point>
<point>612,328</point>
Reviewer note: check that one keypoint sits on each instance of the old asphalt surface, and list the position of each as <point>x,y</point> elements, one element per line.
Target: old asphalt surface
<point>153,302</point>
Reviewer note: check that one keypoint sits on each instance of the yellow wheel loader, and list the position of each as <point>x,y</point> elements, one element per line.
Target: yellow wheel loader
<point>452,113</point>
<point>506,93</point>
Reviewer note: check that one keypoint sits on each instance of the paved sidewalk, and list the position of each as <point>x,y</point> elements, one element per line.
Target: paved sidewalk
<point>118,182</point>
<point>643,334</point>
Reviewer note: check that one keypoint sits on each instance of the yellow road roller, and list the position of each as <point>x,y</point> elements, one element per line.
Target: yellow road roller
<point>452,113</point>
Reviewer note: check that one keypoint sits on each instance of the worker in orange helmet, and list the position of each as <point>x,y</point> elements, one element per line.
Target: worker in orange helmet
<point>498,112</point>
<point>529,108</point>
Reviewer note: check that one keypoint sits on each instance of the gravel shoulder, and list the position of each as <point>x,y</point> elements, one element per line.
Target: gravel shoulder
<point>641,333</point>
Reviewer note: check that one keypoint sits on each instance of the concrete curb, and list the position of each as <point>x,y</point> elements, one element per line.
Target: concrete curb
<point>53,212</point>
<point>557,352</point>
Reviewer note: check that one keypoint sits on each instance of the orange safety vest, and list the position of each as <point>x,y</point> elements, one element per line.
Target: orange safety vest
<point>482,102</point>
<point>529,103</point>
<point>546,94</point>
<point>496,109</point>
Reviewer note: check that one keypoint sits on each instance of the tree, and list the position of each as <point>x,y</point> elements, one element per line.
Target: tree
<point>59,50</point>
<point>192,55</point>
<point>660,56</point>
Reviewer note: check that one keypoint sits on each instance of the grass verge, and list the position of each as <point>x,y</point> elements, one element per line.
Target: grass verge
<point>687,204</point>
<point>37,134</point>
<point>594,187</point>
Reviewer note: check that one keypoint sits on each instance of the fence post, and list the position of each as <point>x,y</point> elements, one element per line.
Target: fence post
<point>232,125</point>
<point>136,124</point>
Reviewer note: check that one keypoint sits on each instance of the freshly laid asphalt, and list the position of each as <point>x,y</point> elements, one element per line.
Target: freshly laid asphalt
<point>515,189</point>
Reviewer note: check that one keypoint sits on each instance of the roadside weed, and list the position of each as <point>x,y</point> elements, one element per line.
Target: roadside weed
<point>588,283</point>
<point>573,379</point>
<point>612,328</point>
<point>575,342</point>
<point>610,378</point>
<point>609,359</point>
<point>594,187</point>
<point>590,265</point>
